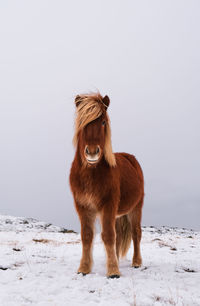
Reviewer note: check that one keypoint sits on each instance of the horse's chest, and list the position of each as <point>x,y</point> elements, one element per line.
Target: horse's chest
<point>88,200</point>
<point>88,195</point>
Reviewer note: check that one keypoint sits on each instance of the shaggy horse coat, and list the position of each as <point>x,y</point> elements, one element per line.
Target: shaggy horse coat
<point>106,185</point>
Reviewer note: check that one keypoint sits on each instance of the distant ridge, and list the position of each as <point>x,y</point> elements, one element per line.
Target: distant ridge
<point>22,224</point>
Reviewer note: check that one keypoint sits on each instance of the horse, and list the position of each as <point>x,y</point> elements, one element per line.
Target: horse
<point>106,185</point>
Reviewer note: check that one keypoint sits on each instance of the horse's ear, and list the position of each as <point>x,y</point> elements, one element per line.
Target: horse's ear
<point>106,101</point>
<point>77,100</point>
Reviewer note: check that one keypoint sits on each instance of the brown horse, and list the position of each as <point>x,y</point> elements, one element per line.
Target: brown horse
<point>105,184</point>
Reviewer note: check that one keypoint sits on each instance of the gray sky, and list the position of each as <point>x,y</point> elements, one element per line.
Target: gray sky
<point>145,55</point>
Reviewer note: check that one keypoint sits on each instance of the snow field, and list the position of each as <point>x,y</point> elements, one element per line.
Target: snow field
<point>39,268</point>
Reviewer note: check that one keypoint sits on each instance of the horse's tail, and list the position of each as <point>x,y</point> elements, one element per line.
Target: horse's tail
<point>124,230</point>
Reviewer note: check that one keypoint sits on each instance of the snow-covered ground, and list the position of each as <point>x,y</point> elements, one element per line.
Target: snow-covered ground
<point>38,264</point>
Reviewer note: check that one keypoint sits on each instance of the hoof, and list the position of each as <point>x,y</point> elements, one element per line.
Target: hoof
<point>114,276</point>
<point>83,274</point>
<point>137,263</point>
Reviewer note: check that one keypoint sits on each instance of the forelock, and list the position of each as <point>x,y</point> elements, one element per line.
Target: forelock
<point>90,107</point>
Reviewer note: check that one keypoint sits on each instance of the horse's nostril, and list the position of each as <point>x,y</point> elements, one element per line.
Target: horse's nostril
<point>97,150</point>
<point>87,150</point>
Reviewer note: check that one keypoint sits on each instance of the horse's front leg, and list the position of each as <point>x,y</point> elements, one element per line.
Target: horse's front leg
<point>109,239</point>
<point>87,218</point>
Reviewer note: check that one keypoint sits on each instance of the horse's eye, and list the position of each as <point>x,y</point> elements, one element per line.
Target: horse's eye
<point>103,122</point>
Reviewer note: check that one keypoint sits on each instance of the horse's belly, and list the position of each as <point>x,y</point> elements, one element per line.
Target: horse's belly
<point>125,208</point>
<point>128,202</point>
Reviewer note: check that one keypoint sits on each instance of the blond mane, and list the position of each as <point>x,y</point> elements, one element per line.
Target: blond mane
<point>90,107</point>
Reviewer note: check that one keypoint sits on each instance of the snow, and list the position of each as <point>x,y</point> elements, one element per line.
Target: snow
<point>38,264</point>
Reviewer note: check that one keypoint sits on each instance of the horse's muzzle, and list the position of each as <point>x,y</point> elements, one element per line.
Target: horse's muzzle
<point>92,154</point>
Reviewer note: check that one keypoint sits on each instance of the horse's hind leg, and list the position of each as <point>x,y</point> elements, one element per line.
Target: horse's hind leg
<point>135,219</point>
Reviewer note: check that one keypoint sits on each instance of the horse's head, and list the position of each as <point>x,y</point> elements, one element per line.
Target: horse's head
<point>92,135</point>
<point>92,140</point>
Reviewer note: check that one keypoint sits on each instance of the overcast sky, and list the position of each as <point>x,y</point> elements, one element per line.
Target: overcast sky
<point>145,55</point>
